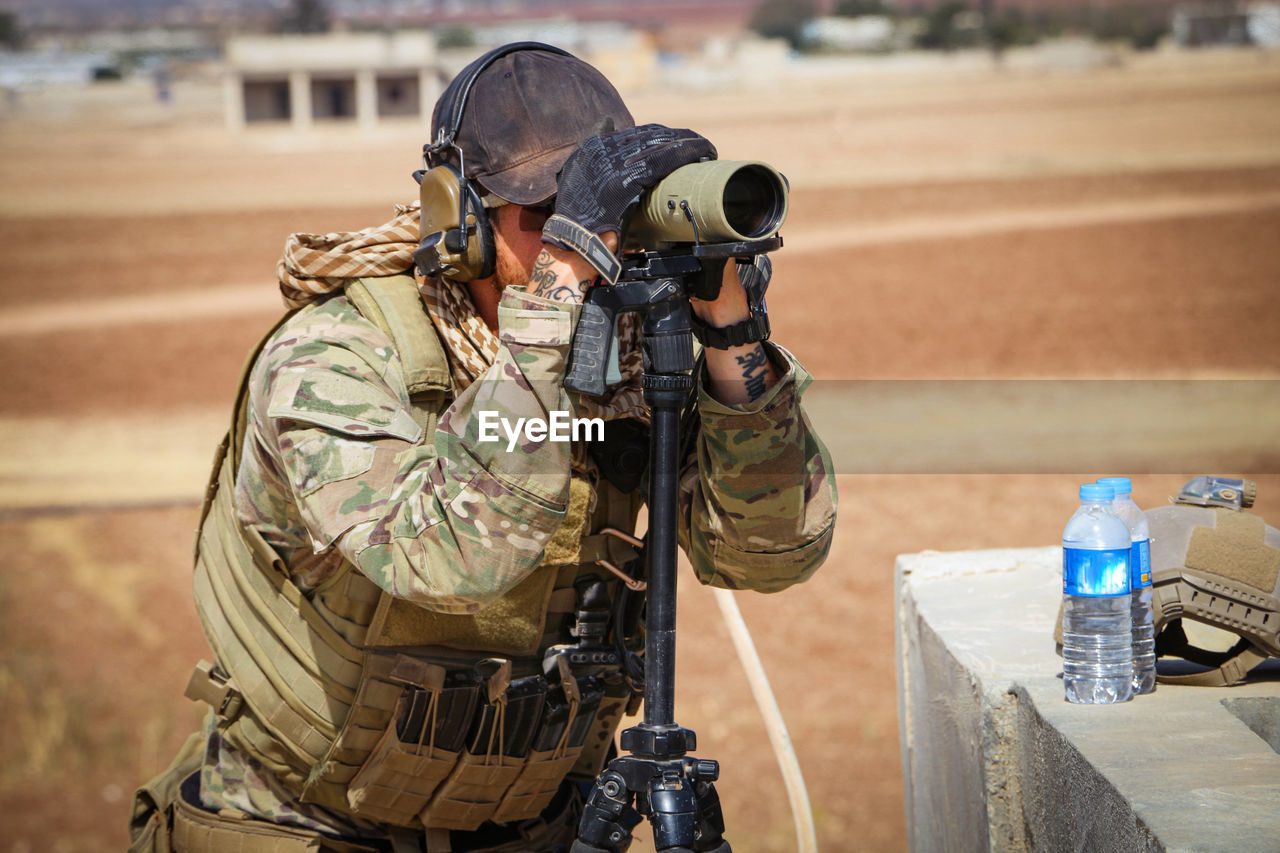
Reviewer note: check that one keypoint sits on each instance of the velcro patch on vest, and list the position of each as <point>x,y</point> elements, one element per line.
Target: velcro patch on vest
<point>563,547</point>
<point>511,625</point>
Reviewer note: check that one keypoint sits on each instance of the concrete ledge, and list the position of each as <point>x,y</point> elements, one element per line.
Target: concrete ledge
<point>993,757</point>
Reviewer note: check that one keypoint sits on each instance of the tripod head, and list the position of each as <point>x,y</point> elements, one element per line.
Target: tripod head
<point>657,284</point>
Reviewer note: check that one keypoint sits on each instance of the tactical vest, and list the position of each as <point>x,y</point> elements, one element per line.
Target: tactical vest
<point>374,707</point>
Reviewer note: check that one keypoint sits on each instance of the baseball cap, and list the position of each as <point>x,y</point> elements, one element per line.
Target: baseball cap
<point>522,117</point>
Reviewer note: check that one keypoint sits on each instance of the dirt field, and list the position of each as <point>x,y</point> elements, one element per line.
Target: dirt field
<point>1117,222</point>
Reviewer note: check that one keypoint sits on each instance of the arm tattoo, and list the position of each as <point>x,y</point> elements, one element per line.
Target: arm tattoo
<point>561,293</point>
<point>544,281</point>
<point>755,366</point>
<point>542,278</point>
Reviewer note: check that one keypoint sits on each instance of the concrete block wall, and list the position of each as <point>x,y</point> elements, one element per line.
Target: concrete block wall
<point>995,759</point>
<point>340,75</point>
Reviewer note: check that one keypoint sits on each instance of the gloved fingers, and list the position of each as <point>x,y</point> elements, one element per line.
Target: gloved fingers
<point>624,150</point>
<point>610,171</point>
<point>657,161</point>
<point>656,142</point>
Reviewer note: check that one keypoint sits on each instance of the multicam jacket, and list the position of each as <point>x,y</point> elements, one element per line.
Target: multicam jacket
<point>334,468</point>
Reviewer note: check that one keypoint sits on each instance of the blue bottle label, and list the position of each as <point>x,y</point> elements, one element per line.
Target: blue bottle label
<point>1089,572</point>
<point>1140,564</point>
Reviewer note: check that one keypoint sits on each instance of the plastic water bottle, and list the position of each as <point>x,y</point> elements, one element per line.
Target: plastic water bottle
<point>1144,628</point>
<point>1097,644</point>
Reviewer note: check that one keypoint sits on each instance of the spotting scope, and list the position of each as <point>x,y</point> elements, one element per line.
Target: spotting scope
<point>713,202</point>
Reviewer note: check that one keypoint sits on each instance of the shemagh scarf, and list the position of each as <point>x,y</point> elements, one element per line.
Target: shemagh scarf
<point>315,265</point>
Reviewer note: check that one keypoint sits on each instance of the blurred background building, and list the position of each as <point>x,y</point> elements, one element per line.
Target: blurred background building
<point>301,62</point>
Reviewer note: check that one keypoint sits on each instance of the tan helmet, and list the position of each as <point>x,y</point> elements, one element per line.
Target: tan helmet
<point>1212,562</point>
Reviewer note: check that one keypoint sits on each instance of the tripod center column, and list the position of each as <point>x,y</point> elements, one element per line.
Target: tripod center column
<point>665,394</point>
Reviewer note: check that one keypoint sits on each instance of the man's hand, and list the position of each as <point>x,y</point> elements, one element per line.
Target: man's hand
<point>605,176</point>
<point>610,171</point>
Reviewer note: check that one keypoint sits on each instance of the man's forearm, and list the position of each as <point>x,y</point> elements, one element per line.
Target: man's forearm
<point>737,376</point>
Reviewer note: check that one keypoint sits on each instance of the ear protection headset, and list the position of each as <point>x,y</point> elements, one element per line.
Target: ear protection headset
<point>456,237</point>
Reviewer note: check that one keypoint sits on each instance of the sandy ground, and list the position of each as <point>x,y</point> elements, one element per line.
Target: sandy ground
<point>1109,223</point>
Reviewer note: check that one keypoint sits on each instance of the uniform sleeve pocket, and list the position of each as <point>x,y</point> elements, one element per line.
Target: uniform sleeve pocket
<point>765,571</point>
<point>316,459</point>
<point>347,404</point>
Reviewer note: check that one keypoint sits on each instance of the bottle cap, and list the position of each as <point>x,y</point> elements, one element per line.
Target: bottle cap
<point>1097,492</point>
<point>1122,485</point>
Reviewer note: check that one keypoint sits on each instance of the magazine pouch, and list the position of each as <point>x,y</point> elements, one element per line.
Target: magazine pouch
<point>567,716</point>
<point>495,752</point>
<point>419,747</point>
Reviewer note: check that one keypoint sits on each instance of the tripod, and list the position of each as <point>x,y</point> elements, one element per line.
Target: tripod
<point>672,788</point>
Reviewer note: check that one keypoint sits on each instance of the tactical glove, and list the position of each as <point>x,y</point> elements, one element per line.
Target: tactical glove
<point>605,176</point>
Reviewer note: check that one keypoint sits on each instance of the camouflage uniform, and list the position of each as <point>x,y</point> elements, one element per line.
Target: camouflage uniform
<point>335,468</point>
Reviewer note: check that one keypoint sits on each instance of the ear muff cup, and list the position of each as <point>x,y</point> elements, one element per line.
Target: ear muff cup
<point>450,204</point>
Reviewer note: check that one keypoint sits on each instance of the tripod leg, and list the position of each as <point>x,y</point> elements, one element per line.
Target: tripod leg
<point>685,815</point>
<point>710,830</point>
<point>672,813</point>
<point>601,829</point>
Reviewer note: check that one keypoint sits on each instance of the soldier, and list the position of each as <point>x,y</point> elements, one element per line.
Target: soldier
<point>384,585</point>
